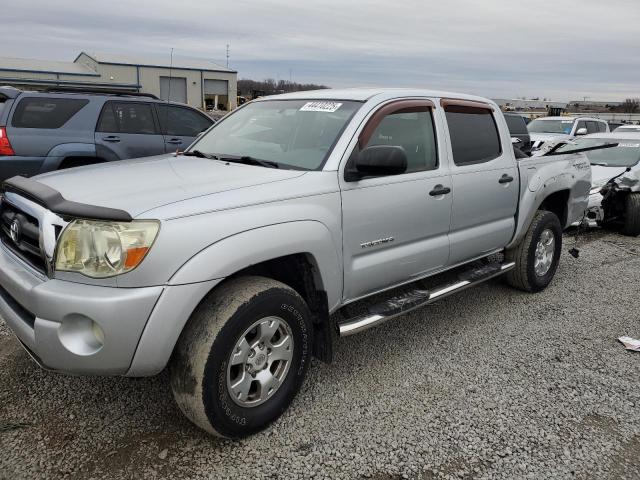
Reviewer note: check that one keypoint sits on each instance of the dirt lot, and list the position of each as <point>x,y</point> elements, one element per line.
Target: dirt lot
<point>492,383</point>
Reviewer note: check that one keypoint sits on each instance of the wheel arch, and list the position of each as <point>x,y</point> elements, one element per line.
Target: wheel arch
<point>302,256</point>
<point>553,200</point>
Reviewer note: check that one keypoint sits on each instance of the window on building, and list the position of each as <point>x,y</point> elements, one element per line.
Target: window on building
<point>127,117</point>
<point>182,121</point>
<point>412,130</point>
<point>474,134</point>
<point>48,113</point>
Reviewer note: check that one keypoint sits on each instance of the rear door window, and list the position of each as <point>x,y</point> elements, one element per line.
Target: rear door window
<point>474,134</point>
<point>47,113</point>
<point>592,127</point>
<point>127,117</point>
<point>182,121</point>
<point>602,127</point>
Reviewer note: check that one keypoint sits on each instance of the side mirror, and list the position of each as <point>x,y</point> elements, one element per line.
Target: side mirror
<point>515,140</point>
<point>581,131</point>
<point>378,161</point>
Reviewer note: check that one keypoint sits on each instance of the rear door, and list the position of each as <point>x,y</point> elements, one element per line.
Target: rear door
<point>395,228</point>
<point>180,125</point>
<point>484,177</point>
<point>128,130</point>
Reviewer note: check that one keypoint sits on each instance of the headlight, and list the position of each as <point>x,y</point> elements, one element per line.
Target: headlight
<point>102,249</point>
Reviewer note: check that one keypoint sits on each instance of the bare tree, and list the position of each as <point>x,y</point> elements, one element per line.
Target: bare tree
<point>630,105</point>
<point>270,86</point>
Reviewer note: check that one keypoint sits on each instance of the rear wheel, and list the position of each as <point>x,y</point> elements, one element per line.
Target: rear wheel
<point>243,356</point>
<point>536,257</point>
<point>631,225</point>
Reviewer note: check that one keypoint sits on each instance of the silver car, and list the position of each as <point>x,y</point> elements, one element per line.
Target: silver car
<point>550,130</point>
<point>614,199</point>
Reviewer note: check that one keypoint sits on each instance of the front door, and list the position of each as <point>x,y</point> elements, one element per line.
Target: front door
<point>485,181</point>
<point>128,130</point>
<point>395,228</point>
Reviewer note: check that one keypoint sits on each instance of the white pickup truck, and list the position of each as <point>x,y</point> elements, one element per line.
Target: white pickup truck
<point>226,262</point>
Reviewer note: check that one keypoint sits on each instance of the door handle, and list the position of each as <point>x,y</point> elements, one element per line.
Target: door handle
<point>439,190</point>
<point>111,138</point>
<point>505,179</point>
<point>175,141</point>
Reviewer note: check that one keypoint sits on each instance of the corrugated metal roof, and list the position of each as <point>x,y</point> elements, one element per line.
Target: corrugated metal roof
<point>44,66</point>
<point>158,61</point>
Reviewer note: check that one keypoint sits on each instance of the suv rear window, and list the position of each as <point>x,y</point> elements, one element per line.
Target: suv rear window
<point>474,134</point>
<point>49,113</point>
<point>516,124</point>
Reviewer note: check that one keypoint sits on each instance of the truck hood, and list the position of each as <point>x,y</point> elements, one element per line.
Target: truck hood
<point>545,137</point>
<point>601,175</point>
<point>139,185</point>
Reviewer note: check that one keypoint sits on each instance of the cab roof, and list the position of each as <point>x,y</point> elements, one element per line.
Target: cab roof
<point>364,94</point>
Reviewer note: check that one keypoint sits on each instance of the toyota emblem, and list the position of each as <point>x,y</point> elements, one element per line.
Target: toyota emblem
<point>15,231</point>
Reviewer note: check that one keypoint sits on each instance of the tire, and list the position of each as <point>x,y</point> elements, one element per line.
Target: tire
<point>631,225</point>
<point>523,276</point>
<point>202,368</point>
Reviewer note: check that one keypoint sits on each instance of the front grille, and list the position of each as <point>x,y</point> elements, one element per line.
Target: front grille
<point>28,245</point>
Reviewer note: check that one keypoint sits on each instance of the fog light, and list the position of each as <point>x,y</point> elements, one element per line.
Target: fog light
<point>81,335</point>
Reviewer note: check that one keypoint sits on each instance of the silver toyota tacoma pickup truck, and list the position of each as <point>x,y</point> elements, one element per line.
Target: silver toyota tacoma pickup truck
<point>230,263</point>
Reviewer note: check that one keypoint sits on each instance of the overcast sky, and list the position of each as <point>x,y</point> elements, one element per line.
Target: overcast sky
<point>498,48</point>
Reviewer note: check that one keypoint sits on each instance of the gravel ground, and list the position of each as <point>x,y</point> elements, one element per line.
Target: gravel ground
<point>492,383</point>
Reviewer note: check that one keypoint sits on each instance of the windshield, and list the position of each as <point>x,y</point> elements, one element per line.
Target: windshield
<point>626,154</point>
<point>292,133</point>
<point>550,126</point>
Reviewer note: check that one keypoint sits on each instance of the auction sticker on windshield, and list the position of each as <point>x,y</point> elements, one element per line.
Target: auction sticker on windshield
<point>328,107</point>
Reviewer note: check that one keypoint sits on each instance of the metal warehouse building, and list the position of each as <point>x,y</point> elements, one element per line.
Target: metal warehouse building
<point>198,82</point>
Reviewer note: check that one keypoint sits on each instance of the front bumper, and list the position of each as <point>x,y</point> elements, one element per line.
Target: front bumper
<point>72,327</point>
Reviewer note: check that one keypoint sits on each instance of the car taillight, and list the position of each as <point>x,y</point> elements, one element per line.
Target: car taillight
<point>5,145</point>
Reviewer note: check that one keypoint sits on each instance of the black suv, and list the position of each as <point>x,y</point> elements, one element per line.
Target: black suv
<point>518,129</point>
<point>63,128</point>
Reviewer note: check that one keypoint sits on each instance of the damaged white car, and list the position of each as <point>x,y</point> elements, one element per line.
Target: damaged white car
<point>614,199</point>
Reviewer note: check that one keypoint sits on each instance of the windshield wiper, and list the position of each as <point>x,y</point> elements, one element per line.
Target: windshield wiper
<point>247,160</point>
<point>199,154</point>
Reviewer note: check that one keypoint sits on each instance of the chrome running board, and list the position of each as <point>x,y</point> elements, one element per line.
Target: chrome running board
<point>417,298</point>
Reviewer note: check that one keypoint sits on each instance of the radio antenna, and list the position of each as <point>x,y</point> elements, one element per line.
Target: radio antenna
<point>170,74</point>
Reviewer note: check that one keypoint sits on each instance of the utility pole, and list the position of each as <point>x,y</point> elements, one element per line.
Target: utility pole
<point>227,55</point>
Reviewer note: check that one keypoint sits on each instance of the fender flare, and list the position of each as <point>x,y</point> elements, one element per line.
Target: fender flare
<point>531,202</point>
<point>236,252</point>
<point>58,153</point>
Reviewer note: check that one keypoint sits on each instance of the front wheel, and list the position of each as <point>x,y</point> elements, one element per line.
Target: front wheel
<point>242,357</point>
<point>537,255</point>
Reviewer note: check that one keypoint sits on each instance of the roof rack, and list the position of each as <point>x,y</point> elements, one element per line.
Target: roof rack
<point>99,91</point>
